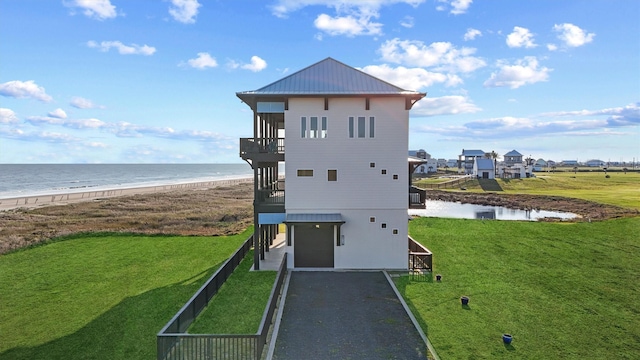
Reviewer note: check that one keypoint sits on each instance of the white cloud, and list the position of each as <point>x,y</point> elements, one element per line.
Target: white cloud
<point>407,22</point>
<point>520,37</point>
<point>410,79</point>
<point>444,105</point>
<point>123,49</point>
<point>68,123</point>
<point>471,34</point>
<point>23,90</point>
<point>572,35</point>
<point>7,116</point>
<point>283,7</point>
<point>257,64</point>
<point>620,116</point>
<point>522,72</point>
<point>97,9</point>
<point>457,6</point>
<point>443,56</point>
<point>552,47</point>
<point>184,11</point>
<point>58,113</point>
<point>348,25</point>
<point>82,103</point>
<point>203,61</point>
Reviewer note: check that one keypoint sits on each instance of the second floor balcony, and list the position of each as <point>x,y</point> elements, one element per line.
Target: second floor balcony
<point>268,150</point>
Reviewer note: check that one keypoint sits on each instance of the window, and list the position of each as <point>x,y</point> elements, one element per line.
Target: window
<point>384,225</point>
<point>332,175</point>
<point>395,177</point>
<point>361,124</point>
<point>372,121</point>
<point>323,131</point>
<point>372,219</point>
<point>372,165</point>
<point>305,172</point>
<point>303,127</point>
<point>384,171</point>
<point>395,231</point>
<point>313,133</point>
<point>351,126</point>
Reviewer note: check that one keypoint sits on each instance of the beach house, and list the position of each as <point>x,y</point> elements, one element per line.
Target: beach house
<point>347,186</point>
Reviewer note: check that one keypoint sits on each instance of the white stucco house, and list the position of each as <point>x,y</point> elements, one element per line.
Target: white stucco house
<point>347,185</point>
<point>484,169</point>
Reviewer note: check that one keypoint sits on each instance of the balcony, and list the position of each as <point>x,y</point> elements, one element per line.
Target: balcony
<point>262,150</point>
<point>417,197</point>
<point>270,200</point>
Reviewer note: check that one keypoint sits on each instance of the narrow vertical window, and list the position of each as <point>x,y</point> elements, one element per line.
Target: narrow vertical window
<point>372,126</point>
<point>323,129</point>
<point>361,126</point>
<point>303,127</point>
<point>351,126</point>
<point>332,175</point>
<point>313,133</point>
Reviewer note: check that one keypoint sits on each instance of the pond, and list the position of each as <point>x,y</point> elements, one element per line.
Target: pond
<point>446,209</point>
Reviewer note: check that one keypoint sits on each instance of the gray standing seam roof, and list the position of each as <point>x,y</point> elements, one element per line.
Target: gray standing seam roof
<point>314,218</point>
<point>329,77</point>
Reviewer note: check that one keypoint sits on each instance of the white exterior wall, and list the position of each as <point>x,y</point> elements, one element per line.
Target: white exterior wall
<point>361,191</point>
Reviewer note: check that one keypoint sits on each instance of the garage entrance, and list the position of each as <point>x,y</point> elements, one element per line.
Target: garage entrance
<point>313,245</point>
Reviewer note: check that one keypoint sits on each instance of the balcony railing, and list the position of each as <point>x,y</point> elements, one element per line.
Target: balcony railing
<point>417,197</point>
<point>261,146</point>
<point>420,258</point>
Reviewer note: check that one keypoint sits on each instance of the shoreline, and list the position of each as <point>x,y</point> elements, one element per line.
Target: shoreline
<point>40,200</point>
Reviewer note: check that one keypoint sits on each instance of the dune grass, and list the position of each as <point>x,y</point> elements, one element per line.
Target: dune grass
<point>238,306</point>
<point>564,291</point>
<point>101,296</point>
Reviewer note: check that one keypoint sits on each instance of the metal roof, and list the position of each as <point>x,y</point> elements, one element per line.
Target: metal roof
<point>513,153</point>
<point>472,152</point>
<point>484,164</point>
<point>329,77</point>
<point>314,218</point>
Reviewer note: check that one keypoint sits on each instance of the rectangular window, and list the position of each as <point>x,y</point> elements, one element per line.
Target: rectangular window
<point>332,175</point>
<point>361,125</point>
<point>305,172</point>
<point>372,219</point>
<point>313,133</point>
<point>372,127</point>
<point>323,129</point>
<point>303,127</point>
<point>351,126</point>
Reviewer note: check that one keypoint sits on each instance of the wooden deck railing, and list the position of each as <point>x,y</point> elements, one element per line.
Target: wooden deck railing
<point>420,258</point>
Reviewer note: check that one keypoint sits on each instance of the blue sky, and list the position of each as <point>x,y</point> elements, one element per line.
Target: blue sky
<point>154,81</point>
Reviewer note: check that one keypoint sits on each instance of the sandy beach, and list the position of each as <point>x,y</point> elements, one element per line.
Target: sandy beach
<point>30,202</point>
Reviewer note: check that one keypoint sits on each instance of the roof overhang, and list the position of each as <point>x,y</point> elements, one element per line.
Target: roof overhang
<point>314,218</point>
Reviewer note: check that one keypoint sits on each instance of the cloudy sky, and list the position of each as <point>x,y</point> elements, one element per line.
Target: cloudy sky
<point>154,81</point>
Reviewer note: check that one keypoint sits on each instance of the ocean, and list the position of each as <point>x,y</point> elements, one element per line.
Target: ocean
<point>19,180</point>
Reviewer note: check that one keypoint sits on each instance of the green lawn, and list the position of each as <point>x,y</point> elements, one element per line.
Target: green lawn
<point>101,296</point>
<point>563,290</point>
<point>238,306</point>
<point>619,189</point>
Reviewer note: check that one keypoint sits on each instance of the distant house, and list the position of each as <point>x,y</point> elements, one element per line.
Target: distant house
<point>347,194</point>
<point>483,168</point>
<point>442,163</point>
<point>512,158</point>
<point>452,163</point>
<point>595,163</point>
<point>569,163</point>
<point>540,165</point>
<point>466,160</point>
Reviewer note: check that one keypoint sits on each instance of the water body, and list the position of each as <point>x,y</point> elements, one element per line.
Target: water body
<point>17,180</point>
<point>445,209</point>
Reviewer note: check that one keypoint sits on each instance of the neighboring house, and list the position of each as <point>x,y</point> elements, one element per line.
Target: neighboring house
<point>441,163</point>
<point>346,137</point>
<point>569,163</point>
<point>466,160</point>
<point>452,163</point>
<point>512,158</point>
<point>540,165</point>
<point>595,163</point>
<point>484,169</point>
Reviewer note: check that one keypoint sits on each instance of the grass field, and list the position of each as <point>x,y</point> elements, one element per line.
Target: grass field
<point>619,189</point>
<point>101,296</point>
<point>564,291</point>
<point>238,306</point>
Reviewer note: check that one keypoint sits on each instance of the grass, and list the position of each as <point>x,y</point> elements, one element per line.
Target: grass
<point>101,296</point>
<point>238,307</point>
<point>619,189</point>
<point>564,291</point>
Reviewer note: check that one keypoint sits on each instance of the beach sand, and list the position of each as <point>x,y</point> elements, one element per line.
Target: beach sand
<point>204,208</point>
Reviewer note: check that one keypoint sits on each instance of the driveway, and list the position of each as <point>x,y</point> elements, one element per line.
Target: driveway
<point>345,315</point>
